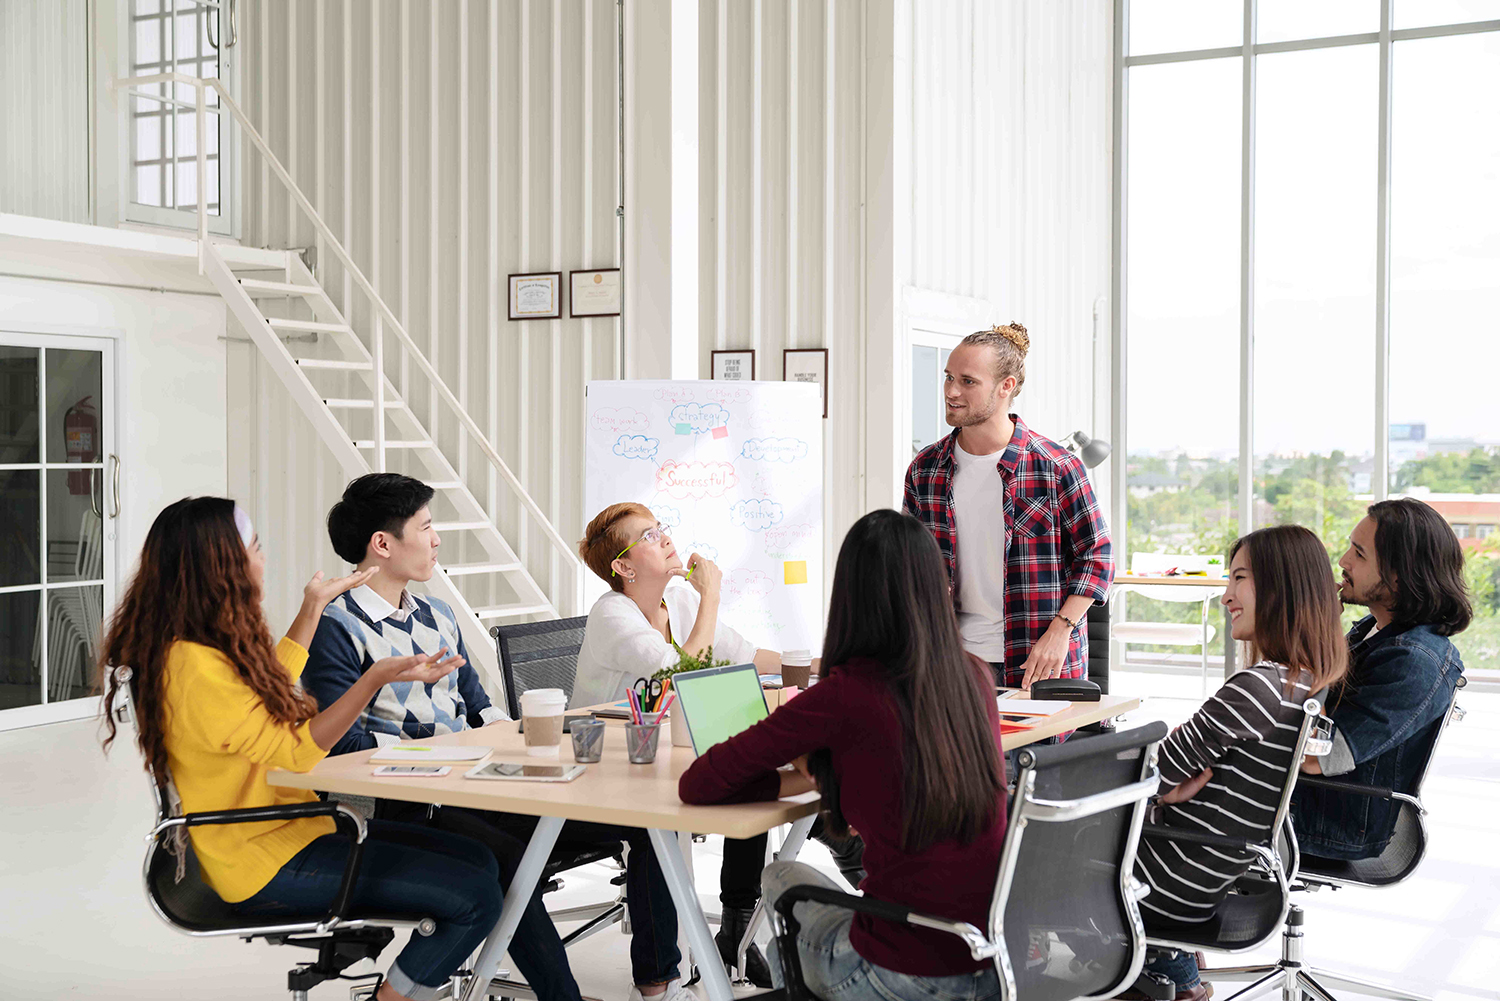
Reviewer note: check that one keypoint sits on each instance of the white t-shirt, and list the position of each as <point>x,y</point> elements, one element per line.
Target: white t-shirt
<point>979,521</point>
<point>620,644</point>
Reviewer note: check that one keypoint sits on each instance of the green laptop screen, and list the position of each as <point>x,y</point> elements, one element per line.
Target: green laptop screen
<point>720,702</point>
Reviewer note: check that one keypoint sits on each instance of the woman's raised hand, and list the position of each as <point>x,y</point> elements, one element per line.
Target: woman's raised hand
<point>704,574</point>
<point>320,592</point>
<point>424,667</point>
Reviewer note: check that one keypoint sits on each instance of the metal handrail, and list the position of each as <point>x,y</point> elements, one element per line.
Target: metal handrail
<point>386,316</point>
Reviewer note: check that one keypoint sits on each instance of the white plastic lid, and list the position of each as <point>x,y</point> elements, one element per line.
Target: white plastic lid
<point>543,702</point>
<point>797,658</point>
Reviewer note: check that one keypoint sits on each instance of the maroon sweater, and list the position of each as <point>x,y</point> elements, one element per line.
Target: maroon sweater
<point>853,714</point>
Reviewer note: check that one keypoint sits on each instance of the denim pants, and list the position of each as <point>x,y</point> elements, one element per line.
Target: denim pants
<point>1181,967</point>
<point>833,970</point>
<point>654,956</point>
<point>404,870</point>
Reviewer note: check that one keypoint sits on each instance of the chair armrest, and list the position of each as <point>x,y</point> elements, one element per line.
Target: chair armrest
<point>342,815</point>
<point>980,947</point>
<point>1335,785</point>
<point>1264,852</point>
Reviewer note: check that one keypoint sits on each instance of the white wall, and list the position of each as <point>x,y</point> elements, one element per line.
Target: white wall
<point>44,105</point>
<point>447,145</point>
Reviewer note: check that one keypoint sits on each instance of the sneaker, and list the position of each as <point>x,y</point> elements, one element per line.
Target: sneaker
<point>675,991</point>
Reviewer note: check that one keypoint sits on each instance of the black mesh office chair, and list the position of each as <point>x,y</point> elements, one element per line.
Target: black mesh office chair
<point>1258,904</point>
<point>1063,920</point>
<point>545,655</point>
<point>190,906</point>
<point>1097,618</point>
<point>1400,858</point>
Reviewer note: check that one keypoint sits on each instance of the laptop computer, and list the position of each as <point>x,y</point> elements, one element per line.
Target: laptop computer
<point>718,702</point>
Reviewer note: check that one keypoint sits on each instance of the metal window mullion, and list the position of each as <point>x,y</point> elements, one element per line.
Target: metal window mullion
<point>43,617</point>
<point>1119,467</point>
<point>1380,478</point>
<point>1247,272</point>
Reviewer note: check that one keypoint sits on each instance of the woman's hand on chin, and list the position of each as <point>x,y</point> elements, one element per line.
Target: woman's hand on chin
<point>703,573</point>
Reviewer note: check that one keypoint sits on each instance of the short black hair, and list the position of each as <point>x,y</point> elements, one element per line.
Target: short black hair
<point>376,502</point>
<point>1420,550</point>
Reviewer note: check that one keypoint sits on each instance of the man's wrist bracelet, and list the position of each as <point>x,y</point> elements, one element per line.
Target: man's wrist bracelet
<point>1071,624</point>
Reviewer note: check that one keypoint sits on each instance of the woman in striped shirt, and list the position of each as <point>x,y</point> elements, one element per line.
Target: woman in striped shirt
<point>1224,769</point>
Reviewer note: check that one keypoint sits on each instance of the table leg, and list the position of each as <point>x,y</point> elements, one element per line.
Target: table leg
<point>1204,685</point>
<point>690,915</point>
<point>528,874</point>
<point>796,837</point>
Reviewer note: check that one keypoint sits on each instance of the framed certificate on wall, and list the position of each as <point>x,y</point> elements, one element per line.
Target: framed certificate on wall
<point>594,293</point>
<point>536,296</point>
<point>807,365</point>
<point>733,366</point>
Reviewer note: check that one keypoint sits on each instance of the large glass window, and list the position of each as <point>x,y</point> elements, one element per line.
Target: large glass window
<point>1314,323</point>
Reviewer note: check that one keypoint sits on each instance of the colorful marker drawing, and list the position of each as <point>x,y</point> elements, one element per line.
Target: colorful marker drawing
<point>787,538</point>
<point>728,394</point>
<point>695,479</point>
<point>703,549</point>
<point>667,516</point>
<point>673,394</point>
<point>700,417</point>
<point>741,584</point>
<point>636,446</point>
<point>755,515</point>
<point>775,449</point>
<point>626,419</point>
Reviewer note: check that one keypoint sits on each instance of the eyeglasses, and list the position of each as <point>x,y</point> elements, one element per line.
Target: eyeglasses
<point>650,536</point>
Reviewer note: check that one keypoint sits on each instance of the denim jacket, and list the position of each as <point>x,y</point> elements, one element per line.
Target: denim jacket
<point>1388,712</point>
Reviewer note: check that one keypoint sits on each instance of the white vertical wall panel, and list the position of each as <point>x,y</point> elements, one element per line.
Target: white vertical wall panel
<point>448,144</point>
<point>1010,196</point>
<point>780,172</point>
<point>44,106</point>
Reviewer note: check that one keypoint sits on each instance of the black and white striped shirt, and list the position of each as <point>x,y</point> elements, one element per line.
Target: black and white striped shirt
<point>1246,732</point>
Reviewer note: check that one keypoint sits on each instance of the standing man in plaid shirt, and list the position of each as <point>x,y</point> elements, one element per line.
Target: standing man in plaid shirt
<point>1036,549</point>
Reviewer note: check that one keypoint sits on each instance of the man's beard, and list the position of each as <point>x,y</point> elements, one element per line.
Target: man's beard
<point>1378,594</point>
<point>972,417</point>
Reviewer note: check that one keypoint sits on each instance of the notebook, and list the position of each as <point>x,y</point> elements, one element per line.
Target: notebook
<point>428,754</point>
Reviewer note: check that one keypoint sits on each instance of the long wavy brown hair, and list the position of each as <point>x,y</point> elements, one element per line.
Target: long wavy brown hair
<point>193,584</point>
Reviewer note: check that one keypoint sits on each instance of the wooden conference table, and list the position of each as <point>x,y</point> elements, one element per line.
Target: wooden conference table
<point>613,791</point>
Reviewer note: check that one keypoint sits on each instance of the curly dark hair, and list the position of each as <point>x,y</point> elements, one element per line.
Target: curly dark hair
<point>193,584</point>
<point>1422,565</point>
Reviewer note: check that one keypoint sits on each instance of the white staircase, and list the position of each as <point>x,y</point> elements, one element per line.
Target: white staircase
<point>337,377</point>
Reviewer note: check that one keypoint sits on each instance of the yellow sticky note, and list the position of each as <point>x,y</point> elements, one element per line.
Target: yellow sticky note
<point>794,571</point>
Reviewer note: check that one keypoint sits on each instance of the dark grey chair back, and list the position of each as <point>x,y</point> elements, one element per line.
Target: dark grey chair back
<point>1098,634</point>
<point>1066,900</point>
<point>538,655</point>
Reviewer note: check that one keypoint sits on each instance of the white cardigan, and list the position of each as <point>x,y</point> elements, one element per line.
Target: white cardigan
<point>621,645</point>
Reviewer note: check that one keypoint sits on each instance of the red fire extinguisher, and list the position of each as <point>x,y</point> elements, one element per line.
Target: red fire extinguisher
<point>81,434</point>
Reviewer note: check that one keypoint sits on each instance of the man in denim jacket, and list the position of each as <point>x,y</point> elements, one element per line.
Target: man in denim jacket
<point>1405,565</point>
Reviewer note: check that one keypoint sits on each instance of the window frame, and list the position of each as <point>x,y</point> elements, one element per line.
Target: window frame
<point>42,337</point>
<point>227,222</point>
<point>1247,52</point>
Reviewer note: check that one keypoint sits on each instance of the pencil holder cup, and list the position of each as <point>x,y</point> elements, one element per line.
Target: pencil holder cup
<point>679,730</point>
<point>588,740</point>
<point>640,742</point>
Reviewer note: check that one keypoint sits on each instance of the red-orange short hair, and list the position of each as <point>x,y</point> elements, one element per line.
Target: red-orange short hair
<point>603,540</point>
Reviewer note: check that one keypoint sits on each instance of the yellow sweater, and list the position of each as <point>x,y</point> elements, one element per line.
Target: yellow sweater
<point>220,743</point>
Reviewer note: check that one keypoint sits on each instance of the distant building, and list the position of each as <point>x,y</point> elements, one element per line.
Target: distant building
<point>1149,484</point>
<point>1474,517</point>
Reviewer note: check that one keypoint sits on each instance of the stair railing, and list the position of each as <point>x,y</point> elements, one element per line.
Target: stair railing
<point>384,316</point>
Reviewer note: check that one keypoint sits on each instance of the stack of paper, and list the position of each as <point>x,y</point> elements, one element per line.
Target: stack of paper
<point>428,754</point>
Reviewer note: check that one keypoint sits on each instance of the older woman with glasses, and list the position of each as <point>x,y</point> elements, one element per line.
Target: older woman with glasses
<point>640,627</point>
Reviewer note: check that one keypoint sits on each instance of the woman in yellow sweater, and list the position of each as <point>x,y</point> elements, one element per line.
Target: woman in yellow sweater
<point>218,705</point>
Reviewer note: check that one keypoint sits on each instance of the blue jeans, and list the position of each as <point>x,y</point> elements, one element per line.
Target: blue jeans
<point>1180,968</point>
<point>832,969</point>
<point>404,870</point>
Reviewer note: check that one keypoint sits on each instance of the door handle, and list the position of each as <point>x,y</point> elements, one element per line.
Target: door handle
<point>116,488</point>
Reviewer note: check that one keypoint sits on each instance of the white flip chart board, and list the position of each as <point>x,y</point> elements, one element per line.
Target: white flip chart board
<point>735,472</point>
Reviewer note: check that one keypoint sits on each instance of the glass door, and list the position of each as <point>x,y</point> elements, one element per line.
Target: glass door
<point>58,504</point>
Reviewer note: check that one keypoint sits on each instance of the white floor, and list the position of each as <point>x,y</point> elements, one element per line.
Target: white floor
<point>74,922</point>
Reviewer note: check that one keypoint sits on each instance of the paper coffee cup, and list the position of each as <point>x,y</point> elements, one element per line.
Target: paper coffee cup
<point>796,668</point>
<point>542,719</point>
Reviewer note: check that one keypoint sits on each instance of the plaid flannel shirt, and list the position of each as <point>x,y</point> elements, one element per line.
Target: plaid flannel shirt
<point>1056,542</point>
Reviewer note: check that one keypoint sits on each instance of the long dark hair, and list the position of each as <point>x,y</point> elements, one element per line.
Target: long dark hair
<point>890,604</point>
<point>1296,603</point>
<point>1421,566</point>
<point>193,584</point>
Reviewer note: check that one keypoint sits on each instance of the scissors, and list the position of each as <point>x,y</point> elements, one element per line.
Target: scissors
<point>648,691</point>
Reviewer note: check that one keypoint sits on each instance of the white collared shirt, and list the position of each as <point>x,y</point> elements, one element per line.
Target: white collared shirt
<point>378,609</point>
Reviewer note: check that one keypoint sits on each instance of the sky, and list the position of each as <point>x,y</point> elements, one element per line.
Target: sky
<point>1315,229</point>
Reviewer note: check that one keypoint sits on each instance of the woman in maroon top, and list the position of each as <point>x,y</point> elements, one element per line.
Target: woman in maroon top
<point>903,736</point>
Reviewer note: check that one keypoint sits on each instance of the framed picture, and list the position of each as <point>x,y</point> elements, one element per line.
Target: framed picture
<point>733,366</point>
<point>807,365</point>
<point>594,293</point>
<point>536,296</point>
